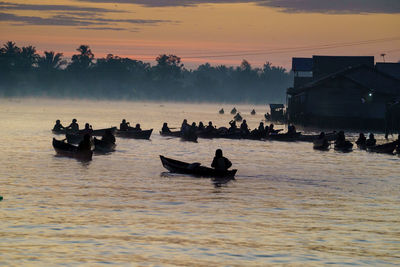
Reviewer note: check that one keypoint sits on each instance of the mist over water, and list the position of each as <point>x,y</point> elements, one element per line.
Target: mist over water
<point>289,203</point>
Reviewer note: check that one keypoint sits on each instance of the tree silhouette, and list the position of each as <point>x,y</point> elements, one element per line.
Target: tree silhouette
<point>51,61</point>
<point>82,61</point>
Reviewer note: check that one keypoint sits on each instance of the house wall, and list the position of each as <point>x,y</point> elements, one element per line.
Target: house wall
<point>343,98</point>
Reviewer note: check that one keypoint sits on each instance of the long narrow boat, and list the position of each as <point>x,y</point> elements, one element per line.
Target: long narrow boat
<point>184,137</point>
<point>68,150</point>
<point>292,137</point>
<point>99,132</point>
<point>103,146</point>
<point>311,137</point>
<point>134,134</point>
<point>387,148</point>
<point>195,169</point>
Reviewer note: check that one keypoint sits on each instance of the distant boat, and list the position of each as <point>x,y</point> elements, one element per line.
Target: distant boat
<point>221,111</point>
<point>135,134</point>
<point>253,112</point>
<point>233,111</point>
<point>238,117</point>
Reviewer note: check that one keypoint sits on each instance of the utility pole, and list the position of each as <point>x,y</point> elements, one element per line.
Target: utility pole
<point>383,57</point>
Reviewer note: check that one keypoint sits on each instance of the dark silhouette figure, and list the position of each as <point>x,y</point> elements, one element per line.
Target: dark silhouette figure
<point>238,117</point>
<point>165,128</point>
<point>85,144</point>
<point>233,111</point>
<point>233,126</point>
<point>244,128</point>
<point>361,141</point>
<point>221,111</point>
<point>291,129</point>
<point>137,127</point>
<point>210,126</point>
<point>371,141</point>
<point>341,143</point>
<point>321,142</point>
<point>220,162</point>
<point>74,126</point>
<point>201,126</point>
<point>253,112</point>
<point>58,126</point>
<point>88,129</point>
<point>124,126</point>
<point>185,126</point>
<point>108,137</point>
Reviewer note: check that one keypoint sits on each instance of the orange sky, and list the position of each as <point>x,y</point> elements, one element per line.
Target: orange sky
<point>217,33</point>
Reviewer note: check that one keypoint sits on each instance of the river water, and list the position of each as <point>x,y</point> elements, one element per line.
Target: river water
<point>288,205</point>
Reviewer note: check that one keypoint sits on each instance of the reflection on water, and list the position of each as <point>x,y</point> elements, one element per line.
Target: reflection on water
<point>288,204</point>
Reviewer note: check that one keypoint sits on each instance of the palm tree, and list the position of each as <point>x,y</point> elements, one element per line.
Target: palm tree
<point>51,61</point>
<point>9,55</point>
<point>28,57</point>
<point>82,61</point>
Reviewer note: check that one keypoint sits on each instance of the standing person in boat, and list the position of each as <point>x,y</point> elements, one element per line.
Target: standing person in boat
<point>73,127</point>
<point>85,144</point>
<point>124,126</point>
<point>361,140</point>
<point>108,137</point>
<point>220,162</point>
<point>165,128</point>
<point>371,141</point>
<point>58,126</point>
<point>244,128</point>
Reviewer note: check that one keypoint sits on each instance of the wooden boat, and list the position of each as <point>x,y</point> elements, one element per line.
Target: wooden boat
<point>387,148</point>
<point>74,138</point>
<point>103,146</point>
<point>144,134</point>
<point>195,169</point>
<point>184,137</point>
<point>99,132</point>
<point>321,144</point>
<point>68,150</point>
<point>285,137</point>
<point>346,147</point>
<point>311,137</point>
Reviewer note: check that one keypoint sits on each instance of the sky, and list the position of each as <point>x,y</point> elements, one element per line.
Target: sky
<point>213,31</point>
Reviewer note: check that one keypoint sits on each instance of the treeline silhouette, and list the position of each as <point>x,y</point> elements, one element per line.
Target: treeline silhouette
<point>23,72</point>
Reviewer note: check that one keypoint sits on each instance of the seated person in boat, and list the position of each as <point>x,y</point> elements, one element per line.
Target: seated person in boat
<point>291,129</point>
<point>323,141</point>
<point>371,141</point>
<point>220,162</point>
<point>185,126</point>
<point>74,126</point>
<point>124,126</point>
<point>341,140</point>
<point>244,128</point>
<point>137,127</point>
<point>210,126</point>
<point>201,126</point>
<point>85,144</point>
<point>108,137</point>
<point>88,129</point>
<point>221,111</point>
<point>253,112</point>
<point>271,129</point>
<point>233,127</point>
<point>165,128</point>
<point>58,126</point>
<point>261,129</point>
<point>361,140</point>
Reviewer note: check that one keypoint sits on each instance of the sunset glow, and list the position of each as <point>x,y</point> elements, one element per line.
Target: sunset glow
<point>219,33</point>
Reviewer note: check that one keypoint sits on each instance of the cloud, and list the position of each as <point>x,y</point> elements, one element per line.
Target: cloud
<point>335,6</point>
<point>103,28</point>
<point>12,6</point>
<point>68,20</point>
<point>290,6</point>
